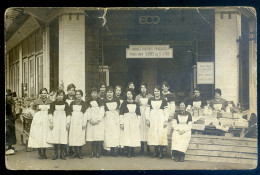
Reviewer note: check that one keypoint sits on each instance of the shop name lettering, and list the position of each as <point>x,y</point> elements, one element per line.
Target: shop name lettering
<point>149,19</point>
<point>149,51</point>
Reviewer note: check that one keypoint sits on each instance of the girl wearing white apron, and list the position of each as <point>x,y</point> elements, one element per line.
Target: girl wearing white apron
<point>130,122</point>
<point>157,120</point>
<point>118,92</point>
<point>77,132</point>
<point>59,122</point>
<point>70,97</point>
<point>40,125</point>
<point>112,126</point>
<point>182,123</point>
<point>95,124</point>
<point>142,100</point>
<point>218,103</point>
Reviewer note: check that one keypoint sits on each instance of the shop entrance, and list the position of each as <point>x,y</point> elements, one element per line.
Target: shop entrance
<point>185,31</point>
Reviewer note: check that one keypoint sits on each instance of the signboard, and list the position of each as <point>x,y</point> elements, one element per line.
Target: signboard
<point>205,72</point>
<point>149,51</point>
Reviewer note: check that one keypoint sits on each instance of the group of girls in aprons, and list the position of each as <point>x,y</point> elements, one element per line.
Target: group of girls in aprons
<point>111,121</point>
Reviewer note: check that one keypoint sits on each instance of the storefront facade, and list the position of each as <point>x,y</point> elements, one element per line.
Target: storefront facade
<point>85,46</point>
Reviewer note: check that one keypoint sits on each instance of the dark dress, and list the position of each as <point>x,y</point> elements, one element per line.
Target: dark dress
<point>10,124</point>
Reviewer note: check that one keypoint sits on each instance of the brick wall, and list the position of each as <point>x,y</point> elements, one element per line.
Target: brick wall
<point>72,50</point>
<point>227,31</point>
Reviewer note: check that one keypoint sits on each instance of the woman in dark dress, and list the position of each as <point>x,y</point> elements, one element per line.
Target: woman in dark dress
<point>10,122</point>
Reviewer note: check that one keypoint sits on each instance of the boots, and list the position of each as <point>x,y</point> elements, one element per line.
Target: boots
<point>80,152</point>
<point>182,156</point>
<point>98,148</point>
<point>76,153</point>
<point>71,152</point>
<point>44,153</point>
<point>142,148</point>
<point>40,154</point>
<point>55,152</point>
<point>62,152</point>
<point>155,152</point>
<point>160,152</point>
<point>92,154</point>
<point>133,152</point>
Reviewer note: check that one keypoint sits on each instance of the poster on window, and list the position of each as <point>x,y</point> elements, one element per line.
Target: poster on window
<point>205,72</point>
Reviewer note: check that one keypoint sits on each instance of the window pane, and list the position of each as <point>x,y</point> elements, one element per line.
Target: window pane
<point>25,47</point>
<point>17,78</point>
<point>38,41</point>
<point>31,43</point>
<point>40,72</point>
<point>32,78</point>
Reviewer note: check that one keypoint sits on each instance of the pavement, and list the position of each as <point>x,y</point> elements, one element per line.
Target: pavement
<point>23,160</point>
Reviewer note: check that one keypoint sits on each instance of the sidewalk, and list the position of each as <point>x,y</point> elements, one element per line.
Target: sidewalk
<point>29,161</point>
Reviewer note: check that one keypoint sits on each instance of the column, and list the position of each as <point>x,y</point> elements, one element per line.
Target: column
<point>252,67</point>
<point>72,50</point>
<point>227,31</point>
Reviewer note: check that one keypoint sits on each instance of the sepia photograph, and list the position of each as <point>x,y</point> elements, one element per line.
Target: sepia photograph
<point>131,88</point>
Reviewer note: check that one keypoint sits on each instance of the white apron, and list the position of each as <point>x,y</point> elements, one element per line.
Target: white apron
<point>59,133</point>
<point>157,134</point>
<point>131,134</point>
<point>112,126</point>
<point>171,108</point>
<point>39,129</point>
<point>144,129</point>
<point>181,142</point>
<point>95,132</point>
<point>76,133</point>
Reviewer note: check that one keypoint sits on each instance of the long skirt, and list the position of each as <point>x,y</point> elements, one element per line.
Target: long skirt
<point>76,133</point>
<point>180,142</point>
<point>112,129</point>
<point>157,134</point>
<point>144,129</point>
<point>131,134</point>
<point>59,133</point>
<point>39,131</point>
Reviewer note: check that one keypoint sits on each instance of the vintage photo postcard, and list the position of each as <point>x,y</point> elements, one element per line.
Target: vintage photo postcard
<point>131,88</point>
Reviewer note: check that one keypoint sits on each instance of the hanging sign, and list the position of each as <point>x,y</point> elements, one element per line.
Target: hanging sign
<point>205,72</point>
<point>149,51</point>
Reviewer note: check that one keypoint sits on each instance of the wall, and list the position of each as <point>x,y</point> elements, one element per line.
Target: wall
<point>227,31</point>
<point>72,50</point>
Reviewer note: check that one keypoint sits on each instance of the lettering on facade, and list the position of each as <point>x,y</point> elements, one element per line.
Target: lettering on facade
<point>149,19</point>
<point>149,51</point>
<point>205,72</point>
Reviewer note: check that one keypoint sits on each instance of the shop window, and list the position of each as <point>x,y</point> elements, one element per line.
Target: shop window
<point>39,72</point>
<point>31,77</point>
<point>25,76</point>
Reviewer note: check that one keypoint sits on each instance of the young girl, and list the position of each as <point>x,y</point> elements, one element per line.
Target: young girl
<point>112,126</point>
<point>142,100</point>
<point>95,124</point>
<point>131,85</point>
<point>118,92</point>
<point>40,124</point>
<point>77,125</point>
<point>70,97</point>
<point>182,123</point>
<point>59,122</point>
<point>157,120</point>
<point>129,122</point>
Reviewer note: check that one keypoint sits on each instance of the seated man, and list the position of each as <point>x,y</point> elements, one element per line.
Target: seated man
<point>218,103</point>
